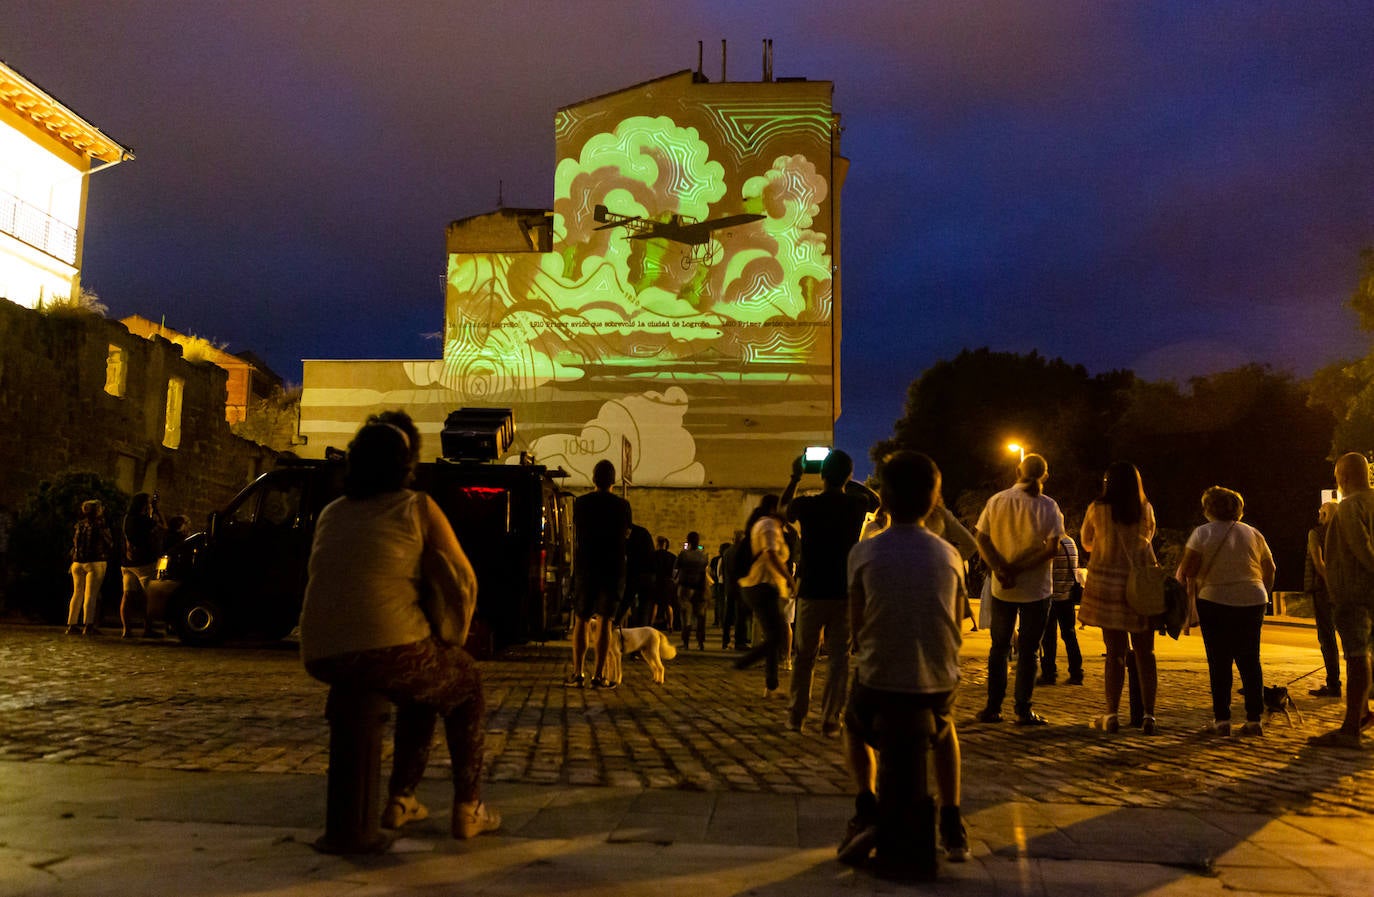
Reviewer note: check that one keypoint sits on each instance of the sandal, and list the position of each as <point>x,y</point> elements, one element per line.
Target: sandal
<point>1107,722</point>
<point>472,819</point>
<point>1336,738</point>
<point>403,808</point>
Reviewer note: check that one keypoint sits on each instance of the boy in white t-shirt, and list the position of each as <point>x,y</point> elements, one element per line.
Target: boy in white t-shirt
<point>906,593</point>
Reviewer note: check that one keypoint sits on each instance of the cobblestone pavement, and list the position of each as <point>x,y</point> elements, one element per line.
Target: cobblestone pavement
<point>75,700</point>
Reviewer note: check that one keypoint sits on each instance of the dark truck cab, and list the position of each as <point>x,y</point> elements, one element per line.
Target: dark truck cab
<point>246,573</point>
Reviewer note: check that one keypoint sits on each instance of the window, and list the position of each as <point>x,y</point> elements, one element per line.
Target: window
<point>172,436</point>
<point>116,371</point>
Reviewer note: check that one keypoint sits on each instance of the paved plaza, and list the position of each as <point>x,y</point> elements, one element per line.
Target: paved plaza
<point>131,766</point>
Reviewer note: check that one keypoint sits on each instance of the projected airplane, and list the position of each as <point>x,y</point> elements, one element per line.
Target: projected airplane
<point>678,228</point>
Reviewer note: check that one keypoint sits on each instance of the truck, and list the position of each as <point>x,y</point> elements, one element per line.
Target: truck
<point>245,574</point>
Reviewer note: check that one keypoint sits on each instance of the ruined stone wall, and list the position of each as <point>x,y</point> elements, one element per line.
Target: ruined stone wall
<point>56,416</point>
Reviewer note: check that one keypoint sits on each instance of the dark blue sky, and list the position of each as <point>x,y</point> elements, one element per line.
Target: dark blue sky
<point>1173,188</point>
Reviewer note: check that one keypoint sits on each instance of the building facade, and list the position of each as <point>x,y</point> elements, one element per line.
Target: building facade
<point>676,311</point>
<point>47,154</point>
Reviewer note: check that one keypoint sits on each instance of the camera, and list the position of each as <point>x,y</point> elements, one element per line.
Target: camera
<point>814,457</point>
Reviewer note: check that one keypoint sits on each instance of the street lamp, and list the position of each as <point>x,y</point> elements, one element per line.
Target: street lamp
<point>1019,449</point>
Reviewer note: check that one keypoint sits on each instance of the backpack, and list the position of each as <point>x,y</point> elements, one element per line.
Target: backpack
<point>742,560</point>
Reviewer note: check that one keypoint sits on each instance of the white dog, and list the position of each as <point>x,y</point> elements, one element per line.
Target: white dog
<point>651,644</point>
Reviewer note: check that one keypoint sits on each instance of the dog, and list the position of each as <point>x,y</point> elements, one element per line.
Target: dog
<point>1278,700</point>
<point>652,645</point>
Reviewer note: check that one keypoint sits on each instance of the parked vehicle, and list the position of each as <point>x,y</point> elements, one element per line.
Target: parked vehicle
<point>246,573</point>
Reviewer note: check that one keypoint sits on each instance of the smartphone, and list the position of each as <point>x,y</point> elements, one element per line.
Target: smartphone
<point>814,457</point>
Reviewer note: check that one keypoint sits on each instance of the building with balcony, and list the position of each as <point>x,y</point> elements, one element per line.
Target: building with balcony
<point>47,154</point>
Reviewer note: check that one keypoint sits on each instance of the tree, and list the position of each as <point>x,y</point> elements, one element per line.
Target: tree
<point>962,412</point>
<point>1345,389</point>
<point>42,541</point>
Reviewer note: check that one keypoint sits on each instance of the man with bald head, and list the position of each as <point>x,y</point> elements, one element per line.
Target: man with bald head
<point>1350,579</point>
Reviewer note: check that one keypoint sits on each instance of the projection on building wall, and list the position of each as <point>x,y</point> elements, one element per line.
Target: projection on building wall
<point>685,311</point>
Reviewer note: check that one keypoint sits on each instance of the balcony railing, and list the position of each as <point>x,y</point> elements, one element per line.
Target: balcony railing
<point>37,228</point>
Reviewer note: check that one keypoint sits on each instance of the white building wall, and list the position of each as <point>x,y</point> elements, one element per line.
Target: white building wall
<point>40,210</point>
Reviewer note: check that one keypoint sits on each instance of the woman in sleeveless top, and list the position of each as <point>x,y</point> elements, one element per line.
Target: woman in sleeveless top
<point>363,624</point>
<point>1117,529</point>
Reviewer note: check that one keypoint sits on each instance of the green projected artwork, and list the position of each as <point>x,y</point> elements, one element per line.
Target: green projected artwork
<point>685,311</point>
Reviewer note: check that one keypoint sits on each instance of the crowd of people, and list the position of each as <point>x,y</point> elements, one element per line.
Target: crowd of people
<point>880,581</point>
<point>872,580</point>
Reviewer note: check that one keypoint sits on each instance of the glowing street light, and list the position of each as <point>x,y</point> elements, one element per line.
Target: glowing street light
<point>1019,449</point>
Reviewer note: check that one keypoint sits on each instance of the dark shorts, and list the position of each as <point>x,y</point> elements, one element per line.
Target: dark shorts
<point>874,714</point>
<point>596,597</point>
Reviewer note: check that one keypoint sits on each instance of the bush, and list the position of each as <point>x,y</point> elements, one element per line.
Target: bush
<point>42,540</point>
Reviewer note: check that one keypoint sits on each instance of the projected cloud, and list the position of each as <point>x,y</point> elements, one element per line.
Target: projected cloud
<point>649,419</point>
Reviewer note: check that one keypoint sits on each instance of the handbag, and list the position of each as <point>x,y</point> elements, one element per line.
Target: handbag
<point>1076,590</point>
<point>447,597</point>
<point>1144,585</point>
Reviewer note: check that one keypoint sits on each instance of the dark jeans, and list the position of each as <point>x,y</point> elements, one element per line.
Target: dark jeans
<point>738,618</point>
<point>1326,636</point>
<point>763,600</point>
<point>1231,635</point>
<point>1062,623</point>
<point>1033,617</point>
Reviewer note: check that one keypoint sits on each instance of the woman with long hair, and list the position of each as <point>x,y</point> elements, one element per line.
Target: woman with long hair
<point>1117,529</point>
<point>1228,566</point>
<point>767,583</point>
<point>363,622</point>
<point>91,544</point>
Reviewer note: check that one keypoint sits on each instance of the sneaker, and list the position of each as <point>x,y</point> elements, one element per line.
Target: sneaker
<point>1148,726</point>
<point>953,836</point>
<point>1031,718</point>
<point>401,809</point>
<point>1074,680</point>
<point>604,684</point>
<point>988,715</point>
<point>1107,722</point>
<point>1252,727</point>
<point>860,836</point>
<point>471,820</point>
<point>574,682</point>
<point>1326,691</point>
<point>1221,727</point>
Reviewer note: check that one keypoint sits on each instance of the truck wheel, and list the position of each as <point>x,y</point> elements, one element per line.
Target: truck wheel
<point>199,620</point>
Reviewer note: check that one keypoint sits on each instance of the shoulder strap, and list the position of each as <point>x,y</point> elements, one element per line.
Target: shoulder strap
<point>1202,573</point>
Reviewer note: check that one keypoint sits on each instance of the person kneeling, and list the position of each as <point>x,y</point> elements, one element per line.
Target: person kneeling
<point>906,593</point>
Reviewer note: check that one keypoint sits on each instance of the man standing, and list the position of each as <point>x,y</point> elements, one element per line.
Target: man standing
<point>906,602</point>
<point>143,531</point>
<point>601,520</point>
<point>1314,583</point>
<point>1018,537</point>
<point>689,573</point>
<point>830,525</point>
<point>1350,580</point>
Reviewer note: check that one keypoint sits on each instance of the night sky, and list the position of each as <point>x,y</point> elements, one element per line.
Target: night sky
<point>1172,188</point>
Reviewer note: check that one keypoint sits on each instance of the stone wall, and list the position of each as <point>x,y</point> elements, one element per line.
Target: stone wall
<point>714,513</point>
<point>56,416</point>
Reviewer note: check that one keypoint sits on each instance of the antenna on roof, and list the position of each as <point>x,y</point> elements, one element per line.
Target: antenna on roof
<point>768,59</point>
<point>500,194</point>
<point>699,45</point>
<point>722,60</point>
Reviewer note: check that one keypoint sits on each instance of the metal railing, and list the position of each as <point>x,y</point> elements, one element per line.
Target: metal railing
<point>37,228</point>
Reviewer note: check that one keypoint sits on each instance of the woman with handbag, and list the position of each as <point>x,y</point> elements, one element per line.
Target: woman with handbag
<point>1228,566</point>
<point>367,620</point>
<point>1117,529</point>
